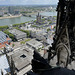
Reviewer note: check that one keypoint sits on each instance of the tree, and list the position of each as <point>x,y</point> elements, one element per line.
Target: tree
<point>22,42</point>
<point>13,45</point>
<point>48,29</point>
<point>3,28</point>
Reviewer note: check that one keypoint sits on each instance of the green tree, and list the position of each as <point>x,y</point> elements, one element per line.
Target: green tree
<point>39,49</point>
<point>13,45</point>
<point>0,15</point>
<point>16,25</point>
<point>27,40</point>
<point>48,29</point>
<point>22,42</point>
<point>50,22</point>
<point>3,28</point>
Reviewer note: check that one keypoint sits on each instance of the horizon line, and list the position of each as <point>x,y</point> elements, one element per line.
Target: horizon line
<point>25,4</point>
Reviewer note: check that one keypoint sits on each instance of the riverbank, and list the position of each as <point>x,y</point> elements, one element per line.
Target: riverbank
<point>6,17</point>
<point>22,19</point>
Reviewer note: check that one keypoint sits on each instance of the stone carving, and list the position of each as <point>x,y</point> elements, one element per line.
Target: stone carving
<point>62,54</point>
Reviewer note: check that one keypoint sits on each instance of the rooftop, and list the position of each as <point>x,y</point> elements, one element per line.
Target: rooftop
<point>3,37</point>
<point>31,29</point>
<point>34,43</point>
<point>16,32</point>
<point>21,57</point>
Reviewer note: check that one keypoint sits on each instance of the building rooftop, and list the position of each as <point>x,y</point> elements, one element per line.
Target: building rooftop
<point>31,29</point>
<point>41,33</point>
<point>22,57</point>
<point>34,43</point>
<point>16,32</point>
<point>3,37</point>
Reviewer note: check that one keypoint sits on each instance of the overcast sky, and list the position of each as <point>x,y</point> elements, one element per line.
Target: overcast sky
<point>28,2</point>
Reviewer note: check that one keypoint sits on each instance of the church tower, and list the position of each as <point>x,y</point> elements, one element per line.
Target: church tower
<point>38,17</point>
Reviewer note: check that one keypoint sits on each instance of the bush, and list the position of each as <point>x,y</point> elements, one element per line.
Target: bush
<point>53,33</point>
<point>22,42</point>
<point>54,16</point>
<point>50,22</point>
<point>34,26</point>
<point>43,19</point>
<point>55,27</point>
<point>26,31</point>
<point>34,20</point>
<point>16,25</point>
<point>13,45</point>
<point>3,28</point>
<point>48,29</point>
<point>1,16</point>
<point>26,12</point>
<point>19,25</point>
<point>39,49</point>
<point>27,40</point>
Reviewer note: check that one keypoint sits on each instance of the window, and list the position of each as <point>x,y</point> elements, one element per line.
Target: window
<point>23,56</point>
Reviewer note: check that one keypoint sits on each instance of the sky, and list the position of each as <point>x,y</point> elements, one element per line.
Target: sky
<point>28,2</point>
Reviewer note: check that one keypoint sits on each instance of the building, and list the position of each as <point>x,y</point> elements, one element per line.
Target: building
<point>34,44</point>
<point>17,12</point>
<point>1,14</point>
<point>42,36</point>
<point>38,17</point>
<point>53,19</point>
<point>33,34</point>
<point>4,65</point>
<point>20,60</point>
<point>19,35</point>
<point>39,35</point>
<point>4,39</point>
<point>17,62</point>
<point>11,10</point>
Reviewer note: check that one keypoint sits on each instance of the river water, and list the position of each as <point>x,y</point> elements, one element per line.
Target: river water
<point>23,19</point>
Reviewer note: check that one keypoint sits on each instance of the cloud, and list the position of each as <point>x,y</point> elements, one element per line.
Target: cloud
<point>28,2</point>
<point>41,1</point>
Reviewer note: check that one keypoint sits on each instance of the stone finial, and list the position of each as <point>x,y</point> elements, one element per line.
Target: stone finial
<point>2,72</point>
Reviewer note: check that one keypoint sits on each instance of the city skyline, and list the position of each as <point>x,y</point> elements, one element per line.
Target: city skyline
<point>28,2</point>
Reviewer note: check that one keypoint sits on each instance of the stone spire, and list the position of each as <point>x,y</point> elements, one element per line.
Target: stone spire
<point>12,67</point>
<point>2,72</point>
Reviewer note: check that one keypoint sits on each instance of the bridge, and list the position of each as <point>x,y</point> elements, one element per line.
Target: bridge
<point>29,15</point>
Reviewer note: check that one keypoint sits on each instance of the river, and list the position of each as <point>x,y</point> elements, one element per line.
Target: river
<point>23,19</point>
